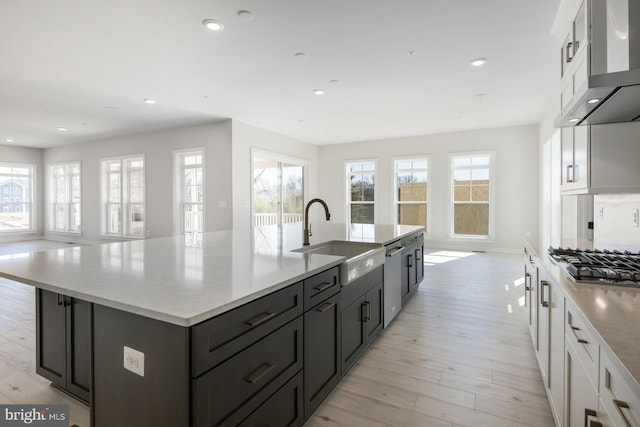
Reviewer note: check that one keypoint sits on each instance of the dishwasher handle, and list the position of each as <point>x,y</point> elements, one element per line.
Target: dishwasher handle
<point>395,251</point>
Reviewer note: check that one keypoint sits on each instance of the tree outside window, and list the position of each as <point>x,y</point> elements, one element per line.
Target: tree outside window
<point>361,198</point>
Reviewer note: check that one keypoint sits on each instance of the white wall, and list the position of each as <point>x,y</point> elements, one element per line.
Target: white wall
<point>516,191</point>
<point>158,150</point>
<point>31,156</point>
<point>246,137</point>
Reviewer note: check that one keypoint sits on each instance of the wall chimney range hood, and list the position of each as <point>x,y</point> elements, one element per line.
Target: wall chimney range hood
<point>619,95</point>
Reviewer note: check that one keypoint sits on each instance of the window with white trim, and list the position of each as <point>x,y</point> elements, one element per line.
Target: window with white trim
<point>16,204</point>
<point>412,191</point>
<point>361,178</point>
<point>64,197</point>
<point>189,195</point>
<point>123,196</point>
<point>471,193</point>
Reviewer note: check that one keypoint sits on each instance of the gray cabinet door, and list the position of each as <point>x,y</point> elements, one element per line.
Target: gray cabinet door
<point>51,337</point>
<point>321,352</point>
<point>63,342</point>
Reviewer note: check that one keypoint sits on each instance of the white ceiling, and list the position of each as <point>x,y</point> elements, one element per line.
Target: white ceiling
<point>87,65</point>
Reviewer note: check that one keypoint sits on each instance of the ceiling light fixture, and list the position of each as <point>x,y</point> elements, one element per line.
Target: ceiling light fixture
<point>9,140</point>
<point>318,91</point>
<point>245,15</point>
<point>333,81</point>
<point>478,62</point>
<point>300,54</point>
<point>150,101</point>
<point>411,53</point>
<point>62,129</point>
<point>212,24</point>
<point>593,101</point>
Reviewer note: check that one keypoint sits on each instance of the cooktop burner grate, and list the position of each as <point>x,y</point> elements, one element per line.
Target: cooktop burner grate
<point>608,267</point>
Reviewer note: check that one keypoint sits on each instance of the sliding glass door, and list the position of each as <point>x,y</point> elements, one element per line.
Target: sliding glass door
<point>278,189</point>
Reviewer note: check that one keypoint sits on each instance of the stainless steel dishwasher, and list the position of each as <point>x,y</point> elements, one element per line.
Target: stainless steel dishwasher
<point>392,283</point>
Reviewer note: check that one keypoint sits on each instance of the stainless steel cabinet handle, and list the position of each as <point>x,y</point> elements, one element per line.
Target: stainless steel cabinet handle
<point>591,413</point>
<point>570,176</point>
<point>395,251</point>
<point>527,285</point>
<point>326,306</point>
<point>322,286</point>
<point>542,301</point>
<point>260,319</point>
<point>568,57</point>
<point>260,372</point>
<point>620,405</point>
<point>580,340</point>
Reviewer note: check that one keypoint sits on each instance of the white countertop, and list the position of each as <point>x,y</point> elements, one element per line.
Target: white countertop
<point>614,312</point>
<point>164,279</point>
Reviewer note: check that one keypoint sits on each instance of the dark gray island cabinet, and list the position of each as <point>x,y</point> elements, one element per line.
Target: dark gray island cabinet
<point>63,342</point>
<point>268,362</point>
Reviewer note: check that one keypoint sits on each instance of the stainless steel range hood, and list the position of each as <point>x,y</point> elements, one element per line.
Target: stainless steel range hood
<point>619,95</point>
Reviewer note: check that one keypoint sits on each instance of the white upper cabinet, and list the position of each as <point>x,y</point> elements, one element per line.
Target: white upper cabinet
<point>600,53</point>
<point>601,159</point>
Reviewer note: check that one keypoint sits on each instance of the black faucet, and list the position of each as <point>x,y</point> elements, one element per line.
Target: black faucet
<point>306,218</point>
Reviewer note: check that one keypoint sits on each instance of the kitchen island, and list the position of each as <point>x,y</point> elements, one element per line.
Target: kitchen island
<point>172,326</point>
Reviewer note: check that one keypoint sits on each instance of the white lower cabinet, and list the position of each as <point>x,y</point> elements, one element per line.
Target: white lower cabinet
<point>617,395</point>
<point>586,384</point>
<point>581,395</point>
<point>556,349</point>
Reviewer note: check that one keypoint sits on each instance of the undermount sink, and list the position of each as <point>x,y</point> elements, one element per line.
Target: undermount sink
<point>361,257</point>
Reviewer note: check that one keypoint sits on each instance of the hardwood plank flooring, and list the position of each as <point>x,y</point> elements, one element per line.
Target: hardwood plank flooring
<point>459,353</point>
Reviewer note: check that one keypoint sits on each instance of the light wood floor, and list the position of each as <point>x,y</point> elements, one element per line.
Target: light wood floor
<point>459,353</point>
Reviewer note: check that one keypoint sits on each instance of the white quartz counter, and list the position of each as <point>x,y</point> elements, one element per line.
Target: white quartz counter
<point>614,312</point>
<point>164,279</point>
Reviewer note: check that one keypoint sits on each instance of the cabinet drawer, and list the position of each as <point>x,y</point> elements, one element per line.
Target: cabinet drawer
<point>578,332</point>
<point>617,395</point>
<point>234,389</point>
<point>284,408</point>
<point>320,287</point>
<point>217,339</point>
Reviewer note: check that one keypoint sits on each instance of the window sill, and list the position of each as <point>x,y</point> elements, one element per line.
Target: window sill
<point>469,238</point>
<point>72,233</point>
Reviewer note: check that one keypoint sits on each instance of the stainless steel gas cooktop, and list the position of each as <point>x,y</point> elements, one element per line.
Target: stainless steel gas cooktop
<point>596,266</point>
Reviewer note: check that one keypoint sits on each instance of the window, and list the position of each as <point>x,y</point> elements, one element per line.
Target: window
<point>16,209</point>
<point>361,192</point>
<point>189,195</point>
<point>123,208</point>
<point>412,195</point>
<point>472,184</point>
<point>64,197</point>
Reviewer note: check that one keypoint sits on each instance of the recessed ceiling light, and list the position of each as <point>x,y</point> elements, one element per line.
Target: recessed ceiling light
<point>150,101</point>
<point>478,62</point>
<point>300,54</point>
<point>593,101</point>
<point>213,25</point>
<point>318,91</point>
<point>411,53</point>
<point>480,95</point>
<point>333,81</point>
<point>9,140</point>
<point>62,129</point>
<point>245,14</point>
<point>574,120</point>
